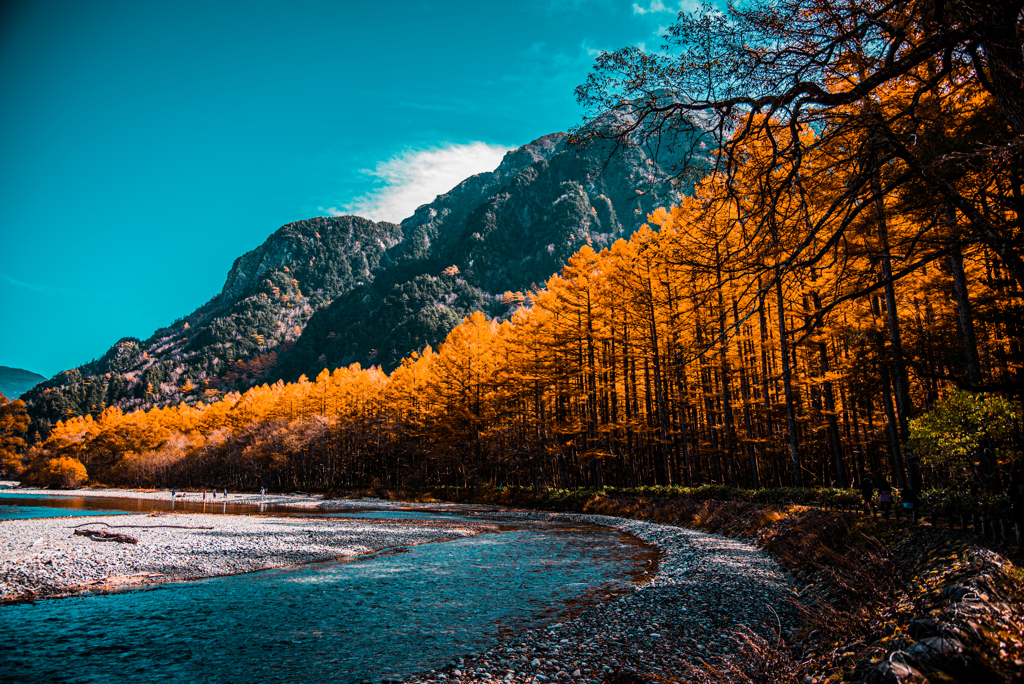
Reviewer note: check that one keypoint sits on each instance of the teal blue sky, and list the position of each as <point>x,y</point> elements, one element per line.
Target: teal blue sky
<point>146,145</point>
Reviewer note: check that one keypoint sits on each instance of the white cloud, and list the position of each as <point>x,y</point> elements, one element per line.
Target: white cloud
<point>659,6</point>
<point>418,176</point>
<point>656,6</point>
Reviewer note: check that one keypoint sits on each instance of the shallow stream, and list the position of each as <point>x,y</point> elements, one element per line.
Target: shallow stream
<point>389,615</point>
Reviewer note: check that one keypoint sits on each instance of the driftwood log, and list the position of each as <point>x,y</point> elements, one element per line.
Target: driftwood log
<point>101,536</point>
<point>146,527</point>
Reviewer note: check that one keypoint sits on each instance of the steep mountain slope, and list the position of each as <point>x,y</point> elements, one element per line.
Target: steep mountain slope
<point>332,291</point>
<point>15,381</point>
<point>269,294</point>
<point>480,246</point>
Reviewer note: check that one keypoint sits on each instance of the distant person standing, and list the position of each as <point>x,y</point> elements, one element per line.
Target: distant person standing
<point>911,501</point>
<point>867,492</point>
<point>1015,493</point>
<point>885,496</point>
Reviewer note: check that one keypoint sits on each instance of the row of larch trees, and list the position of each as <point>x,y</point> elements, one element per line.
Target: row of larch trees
<point>696,352</point>
<point>850,260</point>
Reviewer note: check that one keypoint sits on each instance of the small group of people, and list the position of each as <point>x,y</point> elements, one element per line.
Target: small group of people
<point>867,492</point>
<point>174,494</point>
<point>908,496</point>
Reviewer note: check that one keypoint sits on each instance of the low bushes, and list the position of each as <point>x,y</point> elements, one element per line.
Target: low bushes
<point>66,473</point>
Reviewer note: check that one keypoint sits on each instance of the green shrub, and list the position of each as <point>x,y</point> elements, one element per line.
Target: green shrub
<point>967,436</point>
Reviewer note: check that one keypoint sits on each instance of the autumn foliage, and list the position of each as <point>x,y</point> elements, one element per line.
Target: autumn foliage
<point>14,422</point>
<point>850,258</point>
<point>652,362</point>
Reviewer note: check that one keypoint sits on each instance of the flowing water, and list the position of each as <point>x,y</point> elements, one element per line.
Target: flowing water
<point>13,507</point>
<point>389,615</point>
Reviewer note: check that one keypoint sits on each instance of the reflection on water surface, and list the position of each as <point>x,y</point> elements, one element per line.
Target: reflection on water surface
<point>16,505</point>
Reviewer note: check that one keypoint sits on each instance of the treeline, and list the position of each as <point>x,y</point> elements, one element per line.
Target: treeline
<point>840,298</point>
<point>647,363</point>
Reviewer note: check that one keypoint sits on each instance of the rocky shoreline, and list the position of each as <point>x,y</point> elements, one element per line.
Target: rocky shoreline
<point>710,598</point>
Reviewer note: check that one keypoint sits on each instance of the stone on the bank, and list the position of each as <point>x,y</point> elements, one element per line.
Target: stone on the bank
<point>935,648</point>
<point>890,672</point>
<point>922,627</point>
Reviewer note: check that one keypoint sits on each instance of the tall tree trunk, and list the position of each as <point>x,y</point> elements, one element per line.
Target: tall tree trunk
<point>787,382</point>
<point>901,381</point>
<point>659,391</point>
<point>723,351</point>
<point>965,317</point>
<point>830,406</point>
<point>769,423</point>
<point>755,478</point>
<point>680,371</point>
<point>890,417</point>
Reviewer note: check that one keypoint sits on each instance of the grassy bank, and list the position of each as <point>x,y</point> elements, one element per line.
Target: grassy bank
<point>883,600</point>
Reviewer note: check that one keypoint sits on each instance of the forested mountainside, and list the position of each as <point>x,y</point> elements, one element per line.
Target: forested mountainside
<point>482,247</point>
<point>268,296</point>
<point>345,289</point>
<point>15,381</point>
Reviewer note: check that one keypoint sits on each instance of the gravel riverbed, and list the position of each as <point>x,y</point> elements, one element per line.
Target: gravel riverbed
<point>707,592</point>
<point>41,557</point>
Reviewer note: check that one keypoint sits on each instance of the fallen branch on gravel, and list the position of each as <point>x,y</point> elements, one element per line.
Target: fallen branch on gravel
<point>144,527</point>
<point>101,536</point>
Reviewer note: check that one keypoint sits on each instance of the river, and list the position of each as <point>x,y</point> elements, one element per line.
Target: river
<point>386,616</point>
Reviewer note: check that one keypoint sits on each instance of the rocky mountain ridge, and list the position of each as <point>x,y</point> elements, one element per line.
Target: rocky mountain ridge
<point>268,296</point>
<point>332,291</point>
<point>482,246</point>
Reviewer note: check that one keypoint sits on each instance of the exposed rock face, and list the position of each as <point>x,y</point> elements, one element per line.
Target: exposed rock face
<point>503,232</point>
<point>328,253</point>
<point>436,220</point>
